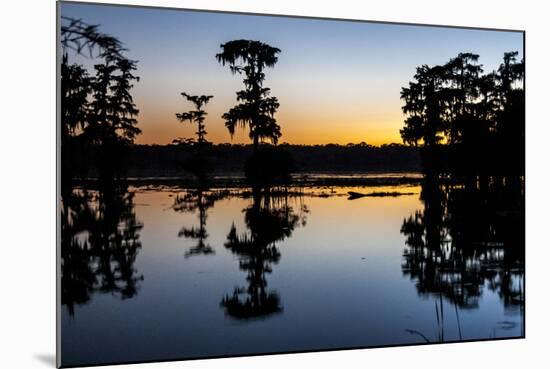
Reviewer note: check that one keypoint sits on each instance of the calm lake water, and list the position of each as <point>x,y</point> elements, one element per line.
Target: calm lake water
<point>161,272</point>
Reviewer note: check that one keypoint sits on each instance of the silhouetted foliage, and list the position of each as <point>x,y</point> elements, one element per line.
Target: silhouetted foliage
<point>184,141</point>
<point>112,107</point>
<point>196,116</point>
<point>76,85</point>
<point>199,163</point>
<point>96,110</point>
<point>424,108</point>
<point>467,121</point>
<point>80,36</point>
<point>256,108</point>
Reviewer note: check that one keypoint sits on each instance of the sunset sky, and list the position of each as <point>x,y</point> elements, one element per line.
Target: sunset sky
<point>336,81</point>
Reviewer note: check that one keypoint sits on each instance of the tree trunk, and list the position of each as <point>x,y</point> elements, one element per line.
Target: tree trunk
<point>256,144</point>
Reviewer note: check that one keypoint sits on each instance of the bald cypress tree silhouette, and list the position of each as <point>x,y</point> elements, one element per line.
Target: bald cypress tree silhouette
<point>423,105</point>
<point>462,82</point>
<point>200,162</point>
<point>75,88</point>
<point>113,109</point>
<point>510,117</point>
<point>196,116</point>
<point>467,121</point>
<point>256,108</point>
<point>97,110</point>
<point>82,37</point>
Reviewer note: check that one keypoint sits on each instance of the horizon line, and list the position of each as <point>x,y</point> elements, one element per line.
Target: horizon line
<point>361,143</point>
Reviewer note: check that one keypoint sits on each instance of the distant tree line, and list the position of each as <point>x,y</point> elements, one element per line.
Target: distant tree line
<point>172,160</point>
<point>467,121</point>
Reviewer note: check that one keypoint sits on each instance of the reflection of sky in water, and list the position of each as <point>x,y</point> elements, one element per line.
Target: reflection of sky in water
<point>339,278</point>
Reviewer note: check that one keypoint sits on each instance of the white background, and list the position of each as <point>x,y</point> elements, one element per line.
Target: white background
<point>27,181</point>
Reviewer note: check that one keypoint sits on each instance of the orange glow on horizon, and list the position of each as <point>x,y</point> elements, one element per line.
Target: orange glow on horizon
<point>291,135</point>
<point>161,127</point>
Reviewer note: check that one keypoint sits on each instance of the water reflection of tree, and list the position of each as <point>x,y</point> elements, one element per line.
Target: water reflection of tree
<point>198,200</point>
<point>99,244</point>
<point>269,219</point>
<point>470,235</point>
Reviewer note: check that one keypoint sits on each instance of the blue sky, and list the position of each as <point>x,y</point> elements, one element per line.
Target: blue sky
<point>337,81</point>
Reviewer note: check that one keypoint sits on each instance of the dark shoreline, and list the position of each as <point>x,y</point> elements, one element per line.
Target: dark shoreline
<point>309,179</point>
